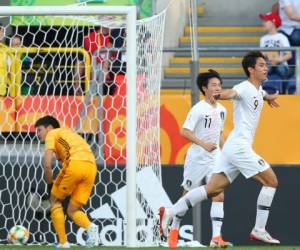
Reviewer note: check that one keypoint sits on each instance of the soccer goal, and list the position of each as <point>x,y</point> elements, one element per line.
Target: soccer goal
<point>98,71</point>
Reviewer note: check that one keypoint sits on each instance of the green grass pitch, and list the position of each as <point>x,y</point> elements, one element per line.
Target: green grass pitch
<point>11,247</point>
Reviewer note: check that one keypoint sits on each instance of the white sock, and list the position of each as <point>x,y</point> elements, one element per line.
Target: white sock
<point>176,221</point>
<point>188,201</point>
<point>216,215</point>
<point>264,202</point>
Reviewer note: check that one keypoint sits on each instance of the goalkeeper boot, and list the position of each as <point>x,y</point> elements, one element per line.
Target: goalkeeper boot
<point>264,236</point>
<point>93,236</point>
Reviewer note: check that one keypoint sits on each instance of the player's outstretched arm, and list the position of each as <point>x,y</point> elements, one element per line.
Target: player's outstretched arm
<point>48,166</point>
<point>225,94</point>
<point>190,135</point>
<point>271,99</point>
<point>222,139</point>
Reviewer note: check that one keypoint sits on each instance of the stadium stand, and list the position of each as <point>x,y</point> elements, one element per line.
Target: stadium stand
<point>176,75</point>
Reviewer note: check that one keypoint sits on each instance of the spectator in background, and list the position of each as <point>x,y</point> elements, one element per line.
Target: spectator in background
<point>277,60</point>
<point>27,83</point>
<point>96,40</point>
<point>78,77</point>
<point>12,58</point>
<point>289,11</point>
<point>4,67</point>
<point>16,41</point>
<point>2,35</point>
<point>275,8</point>
<point>119,56</point>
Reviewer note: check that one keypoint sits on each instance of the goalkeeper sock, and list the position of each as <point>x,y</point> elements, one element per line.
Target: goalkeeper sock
<point>81,219</point>
<point>264,202</point>
<point>58,220</point>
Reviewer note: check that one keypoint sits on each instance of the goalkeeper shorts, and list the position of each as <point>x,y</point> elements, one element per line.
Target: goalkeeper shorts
<point>76,180</point>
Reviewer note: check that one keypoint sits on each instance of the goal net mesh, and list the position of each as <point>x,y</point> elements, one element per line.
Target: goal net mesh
<point>74,68</point>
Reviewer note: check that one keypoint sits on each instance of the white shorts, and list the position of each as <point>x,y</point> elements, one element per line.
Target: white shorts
<point>194,173</point>
<point>240,160</point>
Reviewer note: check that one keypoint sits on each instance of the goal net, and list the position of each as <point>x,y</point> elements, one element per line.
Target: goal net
<point>76,68</point>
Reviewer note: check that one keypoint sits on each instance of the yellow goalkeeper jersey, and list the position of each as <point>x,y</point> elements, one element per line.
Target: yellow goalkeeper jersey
<point>68,145</point>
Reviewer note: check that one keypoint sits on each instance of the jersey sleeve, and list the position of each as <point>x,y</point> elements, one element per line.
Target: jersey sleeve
<point>239,90</point>
<point>50,140</point>
<point>192,118</point>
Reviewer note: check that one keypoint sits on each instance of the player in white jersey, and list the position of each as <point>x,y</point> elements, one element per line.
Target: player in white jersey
<point>203,127</point>
<point>237,155</point>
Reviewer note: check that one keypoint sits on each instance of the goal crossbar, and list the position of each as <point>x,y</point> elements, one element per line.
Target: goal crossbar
<point>65,10</point>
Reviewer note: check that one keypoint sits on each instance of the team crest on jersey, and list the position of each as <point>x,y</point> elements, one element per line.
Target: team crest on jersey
<point>222,115</point>
<point>188,183</point>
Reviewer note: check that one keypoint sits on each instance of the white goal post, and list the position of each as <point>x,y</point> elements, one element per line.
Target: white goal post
<point>131,95</point>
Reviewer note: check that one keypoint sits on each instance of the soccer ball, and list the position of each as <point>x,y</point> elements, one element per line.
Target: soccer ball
<point>18,235</point>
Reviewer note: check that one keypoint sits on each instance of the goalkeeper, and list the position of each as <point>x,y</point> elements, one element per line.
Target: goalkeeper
<point>76,177</point>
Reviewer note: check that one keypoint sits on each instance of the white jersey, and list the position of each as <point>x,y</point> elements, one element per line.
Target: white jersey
<point>207,122</point>
<point>247,107</point>
<point>277,40</point>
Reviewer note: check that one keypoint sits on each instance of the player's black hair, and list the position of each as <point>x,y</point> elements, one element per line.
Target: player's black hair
<point>250,59</point>
<point>47,121</point>
<point>16,36</point>
<point>203,79</point>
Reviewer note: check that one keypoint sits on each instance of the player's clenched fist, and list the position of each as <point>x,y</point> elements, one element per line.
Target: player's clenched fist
<point>209,146</point>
